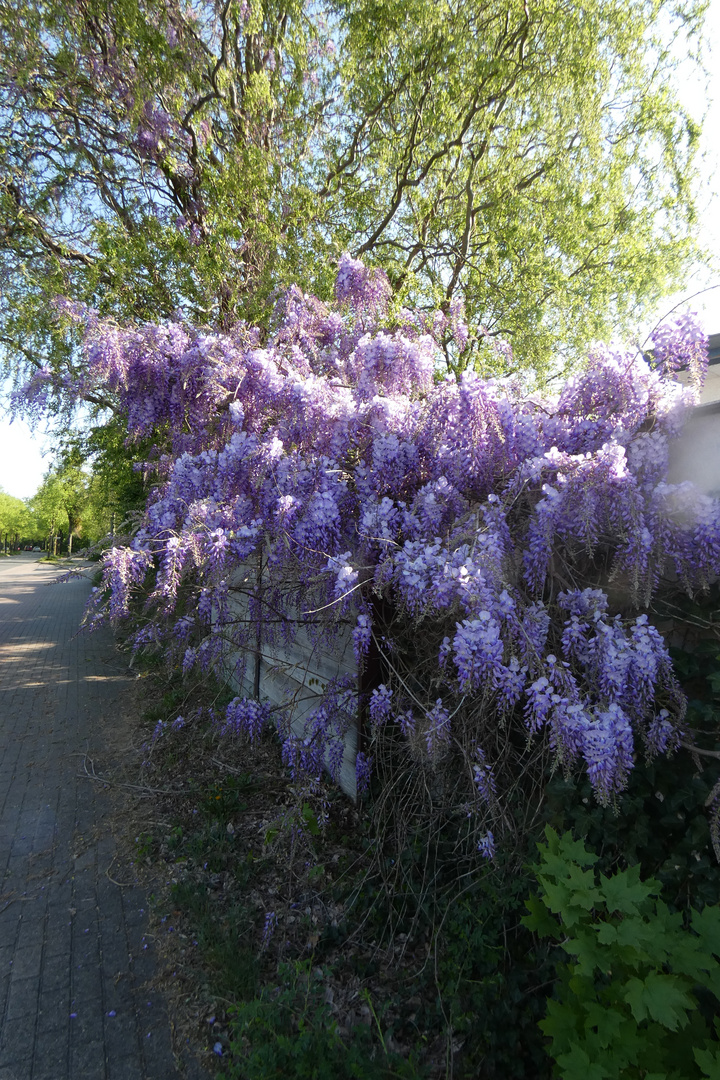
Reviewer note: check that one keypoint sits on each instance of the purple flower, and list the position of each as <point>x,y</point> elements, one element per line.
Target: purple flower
<point>437,728</point>
<point>540,699</point>
<point>363,771</point>
<point>380,705</point>
<point>359,285</point>
<point>486,845</point>
<point>361,636</point>
<point>269,928</point>
<point>245,716</point>
<point>510,681</point>
<point>345,575</point>
<point>406,720</point>
<point>299,458</point>
<point>681,345</point>
<point>608,752</point>
<point>662,735</point>
<point>484,779</point>
<point>477,650</point>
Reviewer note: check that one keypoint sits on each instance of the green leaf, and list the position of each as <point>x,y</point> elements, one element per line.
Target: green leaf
<point>591,956</point>
<point>606,1022</point>
<point>560,1025</point>
<point>661,997</point>
<point>540,919</point>
<point>634,997</point>
<point>624,892</point>
<point>607,934</point>
<point>310,820</point>
<point>579,892</point>
<point>706,924</point>
<point>709,1062</point>
<point>562,852</point>
<point>577,1066</point>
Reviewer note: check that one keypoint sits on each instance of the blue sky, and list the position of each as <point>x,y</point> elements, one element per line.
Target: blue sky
<point>24,457</point>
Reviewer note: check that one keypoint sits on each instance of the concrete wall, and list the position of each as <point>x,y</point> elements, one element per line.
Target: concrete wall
<point>295,675</point>
<point>695,455</point>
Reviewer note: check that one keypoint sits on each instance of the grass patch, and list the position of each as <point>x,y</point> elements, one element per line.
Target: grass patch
<point>289,1030</point>
<point>225,936</point>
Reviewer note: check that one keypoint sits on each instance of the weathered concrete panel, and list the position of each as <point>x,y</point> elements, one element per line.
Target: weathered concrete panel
<point>295,674</point>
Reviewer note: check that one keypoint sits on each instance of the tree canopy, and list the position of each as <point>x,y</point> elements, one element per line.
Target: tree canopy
<point>526,159</point>
<point>14,516</point>
<point>60,502</point>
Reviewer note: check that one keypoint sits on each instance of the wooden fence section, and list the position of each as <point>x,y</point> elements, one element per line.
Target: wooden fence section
<point>295,675</point>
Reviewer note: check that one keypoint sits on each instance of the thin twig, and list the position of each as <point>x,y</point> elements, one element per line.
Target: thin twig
<point>696,750</point>
<point>144,788</point>
<point>122,884</point>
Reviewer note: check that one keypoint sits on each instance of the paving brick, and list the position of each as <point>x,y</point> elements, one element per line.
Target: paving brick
<point>87,1026</point>
<point>16,1048</point>
<point>52,1049</point>
<point>4,990</point>
<point>55,974</point>
<point>22,1001</point>
<point>7,1073</point>
<point>55,1006</point>
<point>26,962</point>
<point>8,924</point>
<point>70,941</point>
<point>58,934</point>
<point>122,1067</point>
<point>88,1061</point>
<point>121,1038</point>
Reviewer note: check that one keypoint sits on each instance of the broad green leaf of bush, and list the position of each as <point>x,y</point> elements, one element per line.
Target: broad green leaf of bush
<point>577,1066</point>
<point>661,997</point>
<point>625,893</point>
<point>706,923</point>
<point>628,1002</point>
<point>709,1062</point>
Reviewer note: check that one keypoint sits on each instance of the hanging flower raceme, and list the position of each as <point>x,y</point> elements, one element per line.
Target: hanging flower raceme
<point>327,471</point>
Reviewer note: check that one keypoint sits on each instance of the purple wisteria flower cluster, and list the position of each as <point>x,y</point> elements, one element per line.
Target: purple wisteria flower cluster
<point>313,476</point>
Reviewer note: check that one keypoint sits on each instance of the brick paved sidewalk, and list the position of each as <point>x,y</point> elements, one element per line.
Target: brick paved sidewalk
<point>73,960</point>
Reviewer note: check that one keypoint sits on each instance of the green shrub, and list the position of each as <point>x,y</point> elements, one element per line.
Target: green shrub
<point>289,1032</point>
<point>485,980</point>
<point>635,998</point>
<point>225,938</point>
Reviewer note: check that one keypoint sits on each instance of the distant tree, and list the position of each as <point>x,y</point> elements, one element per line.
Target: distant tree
<point>117,481</point>
<point>61,500</point>
<point>75,489</point>
<point>47,509</point>
<point>527,159</point>
<point>14,520</point>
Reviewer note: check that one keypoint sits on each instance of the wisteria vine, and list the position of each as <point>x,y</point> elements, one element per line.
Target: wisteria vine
<point>381,492</point>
